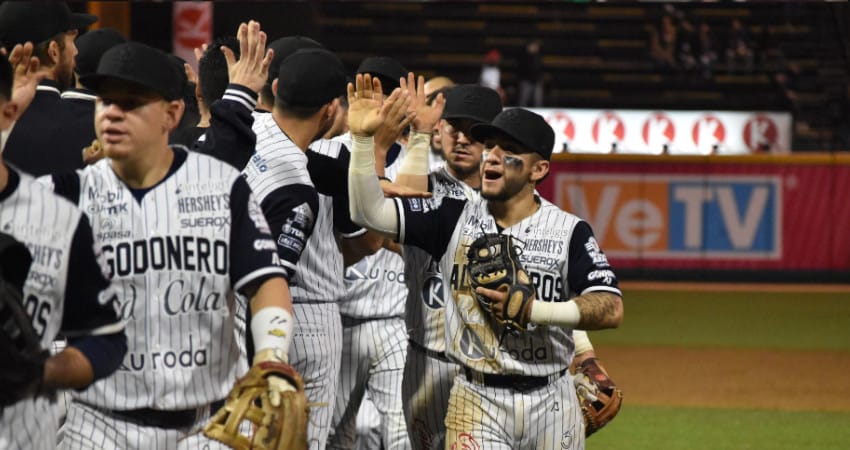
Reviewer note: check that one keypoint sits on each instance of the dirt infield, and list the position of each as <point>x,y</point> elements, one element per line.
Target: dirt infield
<point>715,378</point>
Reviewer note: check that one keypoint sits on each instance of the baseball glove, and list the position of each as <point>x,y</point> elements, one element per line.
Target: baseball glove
<point>493,263</point>
<point>20,346</point>
<point>599,397</point>
<point>253,399</point>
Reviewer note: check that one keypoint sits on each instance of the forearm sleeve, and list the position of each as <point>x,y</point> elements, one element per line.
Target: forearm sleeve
<point>416,159</point>
<point>368,206</point>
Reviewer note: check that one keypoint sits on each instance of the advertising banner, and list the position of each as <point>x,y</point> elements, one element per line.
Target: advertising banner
<point>749,212</point>
<point>192,23</point>
<point>669,132</point>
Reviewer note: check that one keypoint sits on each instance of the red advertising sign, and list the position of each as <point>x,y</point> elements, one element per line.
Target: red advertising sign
<point>725,213</point>
<point>192,23</point>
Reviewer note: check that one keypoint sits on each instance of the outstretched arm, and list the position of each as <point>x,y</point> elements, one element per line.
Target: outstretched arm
<point>366,113</point>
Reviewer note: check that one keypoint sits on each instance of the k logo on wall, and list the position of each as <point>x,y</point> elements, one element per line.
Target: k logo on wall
<point>192,22</point>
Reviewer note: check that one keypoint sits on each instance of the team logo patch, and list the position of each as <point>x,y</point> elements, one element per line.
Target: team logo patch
<point>432,292</point>
<point>256,215</point>
<point>465,441</point>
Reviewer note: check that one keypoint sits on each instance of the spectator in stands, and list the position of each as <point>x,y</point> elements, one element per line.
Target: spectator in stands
<point>739,50</point>
<point>663,43</point>
<point>530,74</point>
<point>706,51</point>
<point>491,72</point>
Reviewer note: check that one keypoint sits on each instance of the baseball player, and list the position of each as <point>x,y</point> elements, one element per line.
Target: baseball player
<point>186,246</point>
<point>575,286</point>
<point>293,197</point>
<point>372,311</point>
<point>428,374</point>
<point>50,135</point>
<point>63,283</point>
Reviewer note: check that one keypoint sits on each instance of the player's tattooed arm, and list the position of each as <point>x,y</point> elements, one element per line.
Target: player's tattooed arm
<point>599,309</point>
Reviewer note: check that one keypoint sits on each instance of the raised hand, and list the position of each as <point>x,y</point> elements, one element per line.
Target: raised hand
<point>27,75</point>
<point>425,115</point>
<point>252,68</point>
<point>367,109</point>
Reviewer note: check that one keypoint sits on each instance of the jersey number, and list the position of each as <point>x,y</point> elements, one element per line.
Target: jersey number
<point>39,312</point>
<point>548,287</point>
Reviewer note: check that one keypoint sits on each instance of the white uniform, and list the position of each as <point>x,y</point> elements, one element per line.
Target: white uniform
<point>374,346</point>
<point>514,395</point>
<point>177,254</point>
<point>60,293</point>
<point>428,374</point>
<point>279,173</point>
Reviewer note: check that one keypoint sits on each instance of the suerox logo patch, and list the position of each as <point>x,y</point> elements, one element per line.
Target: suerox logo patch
<point>714,216</point>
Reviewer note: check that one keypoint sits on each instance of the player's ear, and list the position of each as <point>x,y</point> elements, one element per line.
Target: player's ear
<point>539,170</point>
<point>8,113</point>
<point>174,112</point>
<point>274,88</point>
<point>54,52</point>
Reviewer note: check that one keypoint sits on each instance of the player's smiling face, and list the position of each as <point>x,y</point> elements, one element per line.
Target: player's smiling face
<point>462,153</point>
<point>129,120</point>
<point>507,169</point>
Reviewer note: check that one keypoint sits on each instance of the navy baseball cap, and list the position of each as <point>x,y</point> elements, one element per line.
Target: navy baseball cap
<point>141,65</point>
<point>387,69</point>
<point>471,101</point>
<point>37,22</point>
<point>310,78</point>
<point>92,45</point>
<point>528,129</point>
<point>286,46</point>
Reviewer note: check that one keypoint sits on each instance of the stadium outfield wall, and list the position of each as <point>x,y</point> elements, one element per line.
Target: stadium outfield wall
<point>748,218</point>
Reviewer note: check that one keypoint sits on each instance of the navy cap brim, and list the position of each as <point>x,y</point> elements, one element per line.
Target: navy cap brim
<point>465,116</point>
<point>481,132</point>
<point>94,82</point>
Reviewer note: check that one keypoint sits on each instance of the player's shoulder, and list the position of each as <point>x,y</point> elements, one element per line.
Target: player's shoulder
<point>329,147</point>
<point>197,162</point>
<point>551,215</point>
<point>43,206</point>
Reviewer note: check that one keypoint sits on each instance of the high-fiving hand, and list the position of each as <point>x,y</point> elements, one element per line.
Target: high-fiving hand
<point>367,109</point>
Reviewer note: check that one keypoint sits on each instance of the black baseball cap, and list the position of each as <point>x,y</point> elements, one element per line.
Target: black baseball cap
<point>37,22</point>
<point>286,46</point>
<point>471,101</point>
<point>310,78</point>
<point>92,45</point>
<point>387,69</point>
<point>529,129</point>
<point>141,65</point>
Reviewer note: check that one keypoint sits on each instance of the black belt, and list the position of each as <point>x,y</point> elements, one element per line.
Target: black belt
<point>148,417</point>
<point>422,349</point>
<point>521,383</point>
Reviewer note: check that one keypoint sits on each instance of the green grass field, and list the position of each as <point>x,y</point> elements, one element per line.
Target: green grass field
<point>800,321</point>
<point>656,428</point>
<point>816,321</point>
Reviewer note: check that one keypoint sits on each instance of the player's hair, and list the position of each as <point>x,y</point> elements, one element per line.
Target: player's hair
<point>267,95</point>
<point>6,77</point>
<point>40,49</point>
<point>299,112</point>
<point>212,69</point>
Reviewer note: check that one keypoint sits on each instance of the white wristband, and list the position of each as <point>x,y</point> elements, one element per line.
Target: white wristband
<point>272,328</point>
<point>582,342</point>
<point>562,314</point>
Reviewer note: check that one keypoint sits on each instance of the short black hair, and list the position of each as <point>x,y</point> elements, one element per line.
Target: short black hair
<point>299,112</point>
<point>212,69</point>
<point>6,79</point>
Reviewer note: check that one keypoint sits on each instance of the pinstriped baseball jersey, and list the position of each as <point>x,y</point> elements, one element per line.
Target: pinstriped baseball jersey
<point>557,249</point>
<point>375,285</point>
<point>60,293</point>
<point>277,173</point>
<point>425,302</point>
<point>176,256</point>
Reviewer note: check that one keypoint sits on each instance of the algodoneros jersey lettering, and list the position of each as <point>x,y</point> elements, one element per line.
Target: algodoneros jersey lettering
<point>178,257</point>
<point>559,253</point>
